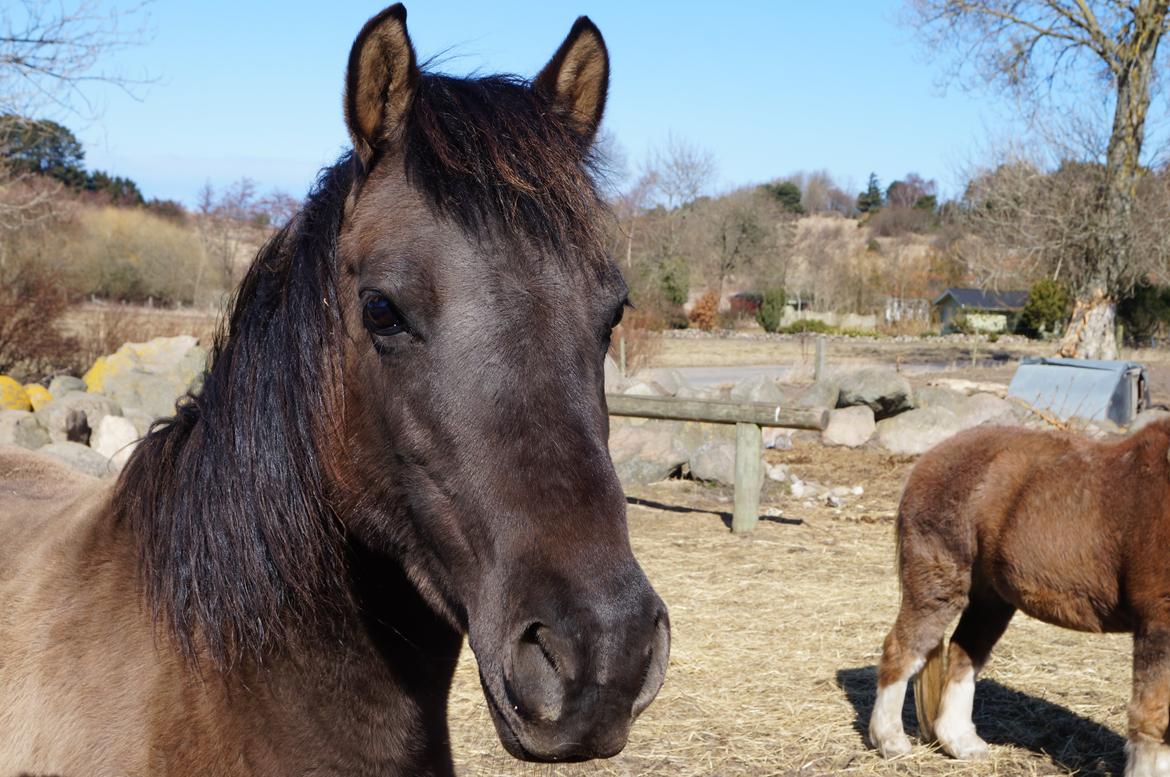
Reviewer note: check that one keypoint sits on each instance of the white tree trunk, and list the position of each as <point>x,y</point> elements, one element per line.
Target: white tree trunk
<point>1092,331</point>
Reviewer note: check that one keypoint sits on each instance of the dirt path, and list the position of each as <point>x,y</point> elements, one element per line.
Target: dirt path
<point>776,637</point>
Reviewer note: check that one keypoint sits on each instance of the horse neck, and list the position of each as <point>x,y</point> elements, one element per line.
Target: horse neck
<point>375,691</point>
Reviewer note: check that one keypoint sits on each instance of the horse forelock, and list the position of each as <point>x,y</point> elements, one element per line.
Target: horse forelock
<point>491,155</point>
<point>238,548</point>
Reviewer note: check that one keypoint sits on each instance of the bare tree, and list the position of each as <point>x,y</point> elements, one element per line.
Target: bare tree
<point>654,215</point>
<point>683,171</point>
<point>277,208</point>
<point>231,224</point>
<point>628,206</point>
<point>51,52</point>
<point>1024,223</point>
<point>739,226</point>
<point>1032,48</point>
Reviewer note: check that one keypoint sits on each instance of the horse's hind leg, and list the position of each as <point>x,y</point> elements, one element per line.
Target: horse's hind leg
<point>928,607</point>
<point>1149,708</point>
<point>982,624</point>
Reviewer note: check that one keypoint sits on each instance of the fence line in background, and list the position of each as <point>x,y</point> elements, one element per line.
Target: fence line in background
<point>748,418</point>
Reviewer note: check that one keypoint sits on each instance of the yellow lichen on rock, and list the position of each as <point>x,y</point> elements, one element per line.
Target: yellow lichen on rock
<point>12,395</point>
<point>38,395</point>
<point>96,375</point>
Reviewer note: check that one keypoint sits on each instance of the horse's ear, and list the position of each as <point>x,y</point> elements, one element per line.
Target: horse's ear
<point>380,82</point>
<point>576,79</point>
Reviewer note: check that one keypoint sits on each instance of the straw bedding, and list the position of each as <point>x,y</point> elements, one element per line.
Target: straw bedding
<point>775,640</point>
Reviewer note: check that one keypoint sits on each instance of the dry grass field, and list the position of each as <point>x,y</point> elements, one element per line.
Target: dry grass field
<point>775,639</point>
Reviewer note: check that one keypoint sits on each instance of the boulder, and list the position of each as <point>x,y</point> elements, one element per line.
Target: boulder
<point>20,427</point>
<point>61,385</point>
<point>153,394</point>
<point>849,426</point>
<point>940,396</point>
<point>670,380</point>
<point>687,391</point>
<point>151,375</point>
<point>613,376</point>
<point>881,389</point>
<point>80,457</point>
<point>12,395</point>
<point>645,389</point>
<point>714,461</point>
<point>714,458</point>
<point>140,418</point>
<point>823,393</point>
<point>72,416</point>
<point>760,388</point>
<point>916,431</point>
<point>987,409</point>
<point>777,472</point>
<point>778,438</point>
<point>38,395</point>
<point>115,438</point>
<point>645,452</point>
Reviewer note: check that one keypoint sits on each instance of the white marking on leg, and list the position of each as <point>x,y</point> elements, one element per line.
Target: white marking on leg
<point>885,724</point>
<point>1146,758</point>
<point>953,728</point>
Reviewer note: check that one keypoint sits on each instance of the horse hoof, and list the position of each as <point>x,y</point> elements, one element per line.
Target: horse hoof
<point>895,746</point>
<point>966,747</point>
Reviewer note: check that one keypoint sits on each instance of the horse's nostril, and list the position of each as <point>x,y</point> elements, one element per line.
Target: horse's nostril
<point>536,680</point>
<point>536,635</point>
<point>656,661</point>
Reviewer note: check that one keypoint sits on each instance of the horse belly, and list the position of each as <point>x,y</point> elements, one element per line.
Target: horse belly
<point>1071,581</point>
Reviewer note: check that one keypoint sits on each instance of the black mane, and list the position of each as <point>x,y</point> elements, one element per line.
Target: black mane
<point>492,155</point>
<point>229,500</point>
<point>237,544</point>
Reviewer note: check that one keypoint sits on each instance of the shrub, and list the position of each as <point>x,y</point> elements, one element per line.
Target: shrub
<point>705,312</point>
<point>31,305</point>
<point>1143,311</point>
<point>133,255</point>
<point>641,330</point>
<point>771,310</point>
<point>808,326</point>
<point>1047,307</point>
<point>675,282</point>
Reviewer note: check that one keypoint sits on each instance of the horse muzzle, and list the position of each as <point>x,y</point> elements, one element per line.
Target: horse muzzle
<point>569,689</point>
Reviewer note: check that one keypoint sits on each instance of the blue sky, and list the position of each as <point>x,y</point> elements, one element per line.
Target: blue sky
<point>767,87</point>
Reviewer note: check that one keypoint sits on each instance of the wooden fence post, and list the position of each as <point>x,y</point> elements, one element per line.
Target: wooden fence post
<point>622,354</point>
<point>819,366</point>
<point>748,444</point>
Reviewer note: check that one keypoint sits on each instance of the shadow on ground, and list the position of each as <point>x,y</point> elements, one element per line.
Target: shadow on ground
<point>723,516</point>
<point>1004,716</point>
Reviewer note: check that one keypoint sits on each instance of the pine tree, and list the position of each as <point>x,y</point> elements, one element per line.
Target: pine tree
<point>870,200</point>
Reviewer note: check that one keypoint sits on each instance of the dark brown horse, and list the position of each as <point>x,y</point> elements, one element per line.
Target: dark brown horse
<point>401,439</point>
<point>1070,531</point>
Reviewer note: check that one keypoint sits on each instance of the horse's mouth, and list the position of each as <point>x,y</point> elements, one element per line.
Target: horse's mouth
<point>514,743</point>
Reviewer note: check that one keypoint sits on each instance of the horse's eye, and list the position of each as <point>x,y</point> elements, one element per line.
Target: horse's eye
<point>617,315</point>
<point>381,317</point>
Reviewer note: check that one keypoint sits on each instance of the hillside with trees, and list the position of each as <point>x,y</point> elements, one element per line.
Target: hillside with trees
<point>1080,224</point>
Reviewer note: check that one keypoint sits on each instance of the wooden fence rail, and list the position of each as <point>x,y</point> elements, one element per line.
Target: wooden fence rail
<point>748,417</point>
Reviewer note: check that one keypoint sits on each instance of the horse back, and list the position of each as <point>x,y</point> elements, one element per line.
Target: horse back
<point>79,664</point>
<point>1065,528</point>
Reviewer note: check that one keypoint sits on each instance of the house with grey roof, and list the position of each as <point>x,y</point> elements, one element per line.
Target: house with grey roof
<point>981,310</point>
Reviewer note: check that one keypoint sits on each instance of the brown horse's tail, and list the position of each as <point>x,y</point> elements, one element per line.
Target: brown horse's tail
<point>928,688</point>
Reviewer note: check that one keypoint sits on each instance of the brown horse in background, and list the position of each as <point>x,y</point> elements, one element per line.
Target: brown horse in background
<point>401,439</point>
<point>1070,531</point>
